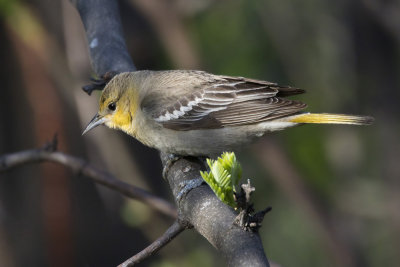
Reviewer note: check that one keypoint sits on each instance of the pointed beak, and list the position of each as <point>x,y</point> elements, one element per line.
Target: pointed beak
<point>96,121</point>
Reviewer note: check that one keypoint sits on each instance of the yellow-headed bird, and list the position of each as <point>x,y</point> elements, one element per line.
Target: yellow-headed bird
<point>197,113</point>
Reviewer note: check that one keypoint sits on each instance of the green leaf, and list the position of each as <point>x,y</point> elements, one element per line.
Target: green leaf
<point>224,175</point>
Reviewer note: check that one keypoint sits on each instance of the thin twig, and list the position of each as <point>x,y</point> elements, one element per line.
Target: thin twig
<point>80,166</point>
<point>173,231</point>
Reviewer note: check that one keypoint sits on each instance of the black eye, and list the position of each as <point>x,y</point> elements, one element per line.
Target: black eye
<point>112,106</point>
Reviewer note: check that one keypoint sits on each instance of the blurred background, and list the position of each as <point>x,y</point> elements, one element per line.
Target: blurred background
<point>335,190</point>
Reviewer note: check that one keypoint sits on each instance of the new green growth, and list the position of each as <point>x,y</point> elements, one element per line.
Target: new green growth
<point>224,175</point>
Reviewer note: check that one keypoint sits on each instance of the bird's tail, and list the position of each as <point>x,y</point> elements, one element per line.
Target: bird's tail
<point>331,119</point>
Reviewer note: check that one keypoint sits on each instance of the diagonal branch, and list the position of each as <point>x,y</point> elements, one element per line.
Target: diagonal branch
<point>80,166</point>
<point>198,207</point>
<point>214,220</point>
<point>173,231</point>
<point>103,28</point>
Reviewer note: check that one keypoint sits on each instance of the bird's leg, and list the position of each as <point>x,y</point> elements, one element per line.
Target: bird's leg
<point>187,185</point>
<point>99,84</point>
<point>172,158</point>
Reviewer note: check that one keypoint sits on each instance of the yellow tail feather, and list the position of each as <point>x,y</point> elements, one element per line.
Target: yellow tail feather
<point>331,119</point>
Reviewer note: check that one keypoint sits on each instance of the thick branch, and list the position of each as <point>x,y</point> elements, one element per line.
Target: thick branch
<point>211,218</point>
<point>103,28</point>
<point>200,207</point>
<point>82,167</point>
<point>163,240</point>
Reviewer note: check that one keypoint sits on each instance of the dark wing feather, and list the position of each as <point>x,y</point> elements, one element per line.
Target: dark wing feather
<point>282,90</point>
<point>258,111</point>
<point>232,101</point>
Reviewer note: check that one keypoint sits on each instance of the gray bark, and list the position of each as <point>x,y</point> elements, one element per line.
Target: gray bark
<point>199,208</point>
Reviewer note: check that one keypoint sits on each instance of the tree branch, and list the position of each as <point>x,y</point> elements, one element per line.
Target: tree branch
<point>173,231</point>
<point>198,207</point>
<point>104,34</point>
<point>80,166</point>
<point>201,208</point>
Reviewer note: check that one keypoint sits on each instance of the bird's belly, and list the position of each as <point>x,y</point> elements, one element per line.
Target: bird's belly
<point>201,142</point>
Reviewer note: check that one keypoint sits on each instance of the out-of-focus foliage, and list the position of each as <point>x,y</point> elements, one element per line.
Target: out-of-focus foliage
<point>334,189</point>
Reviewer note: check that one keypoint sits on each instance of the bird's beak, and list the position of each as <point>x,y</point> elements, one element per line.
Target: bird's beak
<point>96,121</point>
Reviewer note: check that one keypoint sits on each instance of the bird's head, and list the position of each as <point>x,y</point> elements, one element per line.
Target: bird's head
<point>116,106</point>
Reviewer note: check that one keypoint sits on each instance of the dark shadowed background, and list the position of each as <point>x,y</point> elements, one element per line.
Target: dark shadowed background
<point>335,190</point>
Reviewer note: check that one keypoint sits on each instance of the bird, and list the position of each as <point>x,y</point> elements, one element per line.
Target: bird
<point>195,113</point>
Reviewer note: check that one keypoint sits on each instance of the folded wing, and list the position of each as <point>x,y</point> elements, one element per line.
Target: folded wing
<point>227,101</point>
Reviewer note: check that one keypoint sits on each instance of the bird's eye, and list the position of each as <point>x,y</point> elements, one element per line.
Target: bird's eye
<point>112,106</point>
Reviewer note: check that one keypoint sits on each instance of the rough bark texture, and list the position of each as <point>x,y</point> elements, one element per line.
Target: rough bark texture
<point>213,219</point>
<point>199,207</point>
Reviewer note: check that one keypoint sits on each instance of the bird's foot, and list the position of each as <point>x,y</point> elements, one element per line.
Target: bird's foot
<point>186,186</point>
<point>172,158</point>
